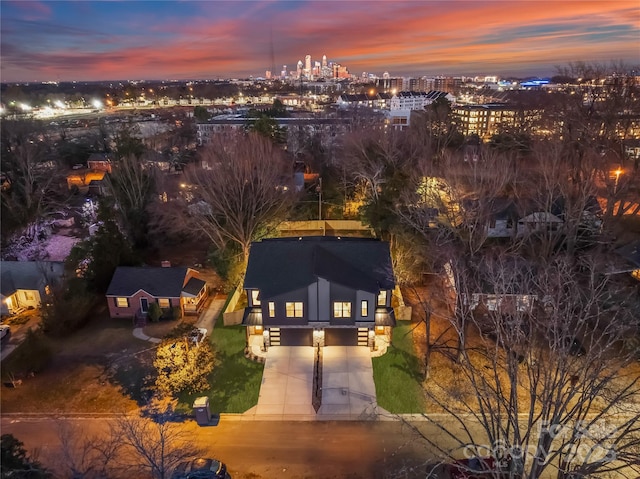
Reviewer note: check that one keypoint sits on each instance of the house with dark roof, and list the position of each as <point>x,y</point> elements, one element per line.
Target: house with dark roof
<point>319,290</point>
<point>133,289</point>
<point>26,283</point>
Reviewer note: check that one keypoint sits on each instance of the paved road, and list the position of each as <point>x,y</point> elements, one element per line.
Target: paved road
<point>266,450</point>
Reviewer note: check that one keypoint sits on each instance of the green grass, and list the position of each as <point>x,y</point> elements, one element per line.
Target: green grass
<point>397,375</point>
<point>235,381</point>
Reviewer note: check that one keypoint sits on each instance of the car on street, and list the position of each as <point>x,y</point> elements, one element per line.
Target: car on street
<point>201,468</point>
<point>5,331</point>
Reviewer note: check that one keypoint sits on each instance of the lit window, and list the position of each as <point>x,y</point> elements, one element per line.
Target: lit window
<point>28,295</point>
<point>492,302</point>
<point>164,303</point>
<point>294,310</point>
<point>341,309</point>
<point>364,308</point>
<point>523,303</point>
<point>272,309</point>
<point>122,302</point>
<point>382,298</point>
<point>254,297</point>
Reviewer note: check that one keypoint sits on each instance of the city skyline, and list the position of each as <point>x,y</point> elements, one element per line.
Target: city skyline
<point>90,41</point>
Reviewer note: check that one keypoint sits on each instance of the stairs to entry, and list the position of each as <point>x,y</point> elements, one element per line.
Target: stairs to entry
<point>274,336</point>
<point>363,336</point>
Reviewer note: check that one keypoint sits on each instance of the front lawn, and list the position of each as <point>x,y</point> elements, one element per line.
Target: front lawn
<point>397,374</point>
<point>235,381</point>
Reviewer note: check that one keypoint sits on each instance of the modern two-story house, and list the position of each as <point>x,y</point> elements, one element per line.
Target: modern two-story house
<point>319,291</point>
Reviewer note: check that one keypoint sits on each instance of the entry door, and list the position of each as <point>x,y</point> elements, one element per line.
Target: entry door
<point>144,305</point>
<point>9,302</point>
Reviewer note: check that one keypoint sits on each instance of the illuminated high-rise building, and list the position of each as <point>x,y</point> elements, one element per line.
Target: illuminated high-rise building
<point>299,69</point>
<point>324,60</point>
<point>307,66</point>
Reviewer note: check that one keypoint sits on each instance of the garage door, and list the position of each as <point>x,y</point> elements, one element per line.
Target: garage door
<point>296,337</point>
<point>340,337</point>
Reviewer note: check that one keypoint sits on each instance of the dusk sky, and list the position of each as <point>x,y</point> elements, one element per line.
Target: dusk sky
<point>84,40</point>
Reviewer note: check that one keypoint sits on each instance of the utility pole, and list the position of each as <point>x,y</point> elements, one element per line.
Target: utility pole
<point>320,199</point>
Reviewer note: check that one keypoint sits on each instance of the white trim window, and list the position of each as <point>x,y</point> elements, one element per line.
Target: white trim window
<point>341,309</point>
<point>382,298</point>
<point>254,297</point>
<point>122,302</point>
<point>364,308</point>
<point>164,303</point>
<point>294,309</point>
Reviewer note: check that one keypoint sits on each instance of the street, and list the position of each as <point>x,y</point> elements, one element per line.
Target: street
<point>270,449</point>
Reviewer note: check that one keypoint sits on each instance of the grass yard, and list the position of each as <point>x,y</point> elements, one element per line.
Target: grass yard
<point>235,381</point>
<point>397,374</point>
<point>97,369</point>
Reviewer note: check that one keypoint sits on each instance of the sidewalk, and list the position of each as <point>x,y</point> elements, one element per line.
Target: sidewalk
<point>207,320</point>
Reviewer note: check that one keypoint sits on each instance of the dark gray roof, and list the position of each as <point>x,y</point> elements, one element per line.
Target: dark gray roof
<point>193,286</point>
<point>29,275</point>
<point>280,265</point>
<point>158,282</point>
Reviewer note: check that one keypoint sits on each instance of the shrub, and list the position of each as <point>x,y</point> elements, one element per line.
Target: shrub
<point>155,312</point>
<point>176,312</point>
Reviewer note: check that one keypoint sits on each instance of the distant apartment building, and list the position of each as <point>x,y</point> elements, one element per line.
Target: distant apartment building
<point>325,128</point>
<point>492,118</point>
<point>404,102</point>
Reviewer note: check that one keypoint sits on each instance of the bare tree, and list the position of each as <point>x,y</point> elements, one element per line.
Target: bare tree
<point>246,191</point>
<point>545,385</point>
<point>155,445</point>
<point>85,457</point>
<point>31,175</point>
<point>131,186</point>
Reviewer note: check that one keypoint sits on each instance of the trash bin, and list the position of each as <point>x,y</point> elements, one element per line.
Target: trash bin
<point>201,410</point>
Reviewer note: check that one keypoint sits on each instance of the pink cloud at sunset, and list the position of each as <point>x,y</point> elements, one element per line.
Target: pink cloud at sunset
<point>55,41</point>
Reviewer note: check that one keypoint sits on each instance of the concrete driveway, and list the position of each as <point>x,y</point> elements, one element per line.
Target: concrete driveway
<point>348,390</point>
<point>287,383</point>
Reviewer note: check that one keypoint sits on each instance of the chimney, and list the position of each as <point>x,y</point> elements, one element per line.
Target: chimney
<point>166,264</point>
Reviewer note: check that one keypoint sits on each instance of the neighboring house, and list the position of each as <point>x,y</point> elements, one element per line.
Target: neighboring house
<point>133,289</point>
<point>503,219</point>
<point>319,290</point>
<point>26,283</point>
<point>99,162</point>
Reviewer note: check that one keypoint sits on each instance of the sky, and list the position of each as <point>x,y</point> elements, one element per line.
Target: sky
<point>172,40</point>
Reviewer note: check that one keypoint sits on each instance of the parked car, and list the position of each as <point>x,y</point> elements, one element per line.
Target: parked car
<point>201,468</point>
<point>5,331</point>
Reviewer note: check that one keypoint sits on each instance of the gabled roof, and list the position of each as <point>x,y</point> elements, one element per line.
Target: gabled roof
<point>280,265</point>
<point>158,282</point>
<point>29,275</point>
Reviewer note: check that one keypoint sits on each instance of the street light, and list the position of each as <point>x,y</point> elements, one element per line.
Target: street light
<point>618,172</point>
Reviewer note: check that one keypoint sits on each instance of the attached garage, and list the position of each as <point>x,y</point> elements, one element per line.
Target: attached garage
<point>340,337</point>
<point>296,337</point>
